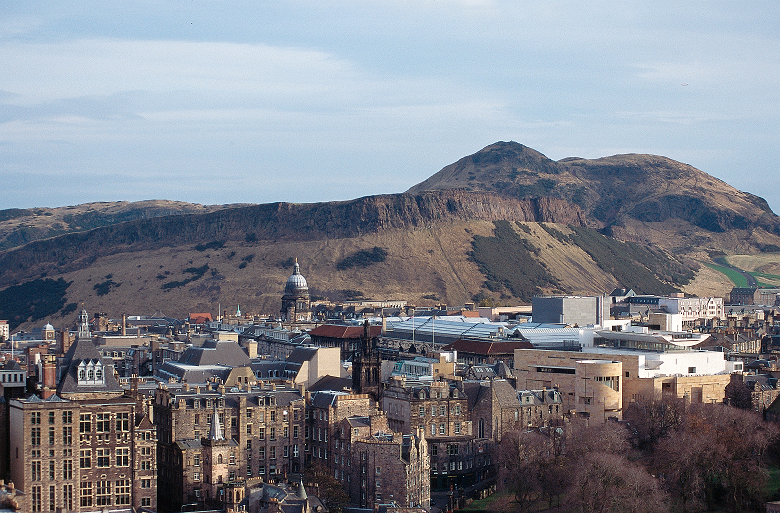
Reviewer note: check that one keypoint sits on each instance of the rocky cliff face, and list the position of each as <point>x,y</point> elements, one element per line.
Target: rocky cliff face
<point>278,221</point>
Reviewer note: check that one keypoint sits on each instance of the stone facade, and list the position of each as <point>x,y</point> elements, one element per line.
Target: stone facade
<point>263,430</point>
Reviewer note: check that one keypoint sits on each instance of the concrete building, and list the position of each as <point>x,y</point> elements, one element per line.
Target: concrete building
<point>571,310</point>
<point>637,365</point>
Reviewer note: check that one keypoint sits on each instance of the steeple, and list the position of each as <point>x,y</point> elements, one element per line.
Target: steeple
<point>83,332</point>
<point>216,430</point>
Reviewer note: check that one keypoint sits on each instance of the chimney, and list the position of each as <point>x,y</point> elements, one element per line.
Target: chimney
<point>124,325</point>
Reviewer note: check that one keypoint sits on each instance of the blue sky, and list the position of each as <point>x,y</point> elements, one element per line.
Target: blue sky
<point>255,102</point>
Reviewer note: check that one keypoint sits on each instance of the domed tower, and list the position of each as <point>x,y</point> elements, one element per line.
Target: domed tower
<point>296,306</point>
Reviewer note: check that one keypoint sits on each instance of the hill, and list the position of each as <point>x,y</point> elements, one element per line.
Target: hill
<point>496,227</point>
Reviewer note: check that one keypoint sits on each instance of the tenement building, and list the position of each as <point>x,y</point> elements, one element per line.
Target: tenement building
<point>89,447</point>
<point>212,438</point>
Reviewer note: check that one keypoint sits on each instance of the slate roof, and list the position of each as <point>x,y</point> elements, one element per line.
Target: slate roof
<point>302,354</point>
<point>332,383</point>
<point>213,352</point>
<point>83,350</point>
<point>343,332</point>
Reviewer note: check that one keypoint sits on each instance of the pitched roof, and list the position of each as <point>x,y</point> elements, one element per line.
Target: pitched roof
<point>344,332</point>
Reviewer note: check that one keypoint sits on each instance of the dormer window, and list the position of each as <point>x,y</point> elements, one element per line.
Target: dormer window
<point>91,372</point>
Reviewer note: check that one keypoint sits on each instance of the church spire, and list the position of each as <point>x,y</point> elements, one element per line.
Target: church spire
<point>216,429</point>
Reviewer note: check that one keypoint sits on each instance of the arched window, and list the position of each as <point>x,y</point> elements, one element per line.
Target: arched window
<point>81,374</point>
<point>99,374</point>
<point>219,459</point>
<point>90,375</point>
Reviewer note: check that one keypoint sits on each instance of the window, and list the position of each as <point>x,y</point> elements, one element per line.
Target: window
<point>146,465</point>
<point>261,453</point>
<point>51,417</point>
<point>35,499</point>
<point>103,423</point>
<point>249,413</point>
<point>273,415</point>
<point>146,451</point>
<point>457,409</point>
<point>261,433</point>
<point>295,431</point>
<point>123,421</point>
<point>442,410</point>
<point>249,445</point>
<point>457,427</point>
<point>422,411</point>
<point>196,476</point>
<point>51,436</point>
<point>232,458</point>
<point>35,470</point>
<point>122,491</point>
<point>691,370</point>
<point>434,449</point>
<point>35,417</point>
<point>286,432</point>
<point>433,429</point>
<point>85,493</point>
<point>85,423</point>
<point>272,433</point>
<point>67,496</point>
<point>67,470</point>
<point>85,458</point>
<point>51,471</point>
<point>103,457</point>
<point>261,470</point>
<point>123,457</point>
<point>272,452</point>
<point>67,435</point>
<point>147,501</point>
<point>67,417</point>
<point>103,493</point>
<point>441,428</point>
<point>196,460</point>
<point>452,449</point>
<point>146,483</point>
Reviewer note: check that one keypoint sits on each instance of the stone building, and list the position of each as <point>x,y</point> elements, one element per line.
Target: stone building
<point>377,466</point>
<point>324,413</point>
<point>261,434</point>
<point>296,302</point>
<point>441,408</point>
<point>89,447</point>
<point>497,408</point>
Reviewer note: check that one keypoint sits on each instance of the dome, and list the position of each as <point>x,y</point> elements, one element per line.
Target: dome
<point>296,283</point>
<point>48,327</point>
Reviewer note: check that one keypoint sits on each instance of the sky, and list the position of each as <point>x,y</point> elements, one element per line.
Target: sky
<point>218,102</point>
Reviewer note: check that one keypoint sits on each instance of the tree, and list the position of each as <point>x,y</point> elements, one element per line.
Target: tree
<point>521,457</point>
<point>652,419</point>
<point>327,488</point>
<point>715,457</point>
<point>606,483</point>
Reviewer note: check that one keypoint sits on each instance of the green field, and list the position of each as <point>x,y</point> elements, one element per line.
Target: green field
<point>736,278</point>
